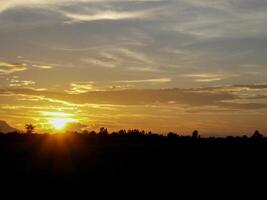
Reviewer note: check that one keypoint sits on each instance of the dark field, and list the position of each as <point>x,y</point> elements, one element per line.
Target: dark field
<point>138,164</point>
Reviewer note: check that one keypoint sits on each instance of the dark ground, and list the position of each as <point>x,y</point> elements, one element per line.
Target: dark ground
<point>138,166</point>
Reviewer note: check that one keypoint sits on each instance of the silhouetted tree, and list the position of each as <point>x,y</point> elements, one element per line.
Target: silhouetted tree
<point>135,132</point>
<point>257,135</point>
<point>92,133</point>
<point>103,131</point>
<point>29,128</point>
<point>122,132</point>
<point>195,134</point>
<point>172,135</point>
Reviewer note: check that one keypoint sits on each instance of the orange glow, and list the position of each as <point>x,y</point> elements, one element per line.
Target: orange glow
<point>60,123</point>
<point>59,120</point>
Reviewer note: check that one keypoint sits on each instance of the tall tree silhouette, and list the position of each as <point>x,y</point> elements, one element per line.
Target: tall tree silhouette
<point>257,135</point>
<point>195,134</point>
<point>29,128</point>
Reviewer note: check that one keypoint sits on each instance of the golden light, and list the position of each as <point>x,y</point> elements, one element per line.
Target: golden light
<point>58,120</point>
<point>60,123</point>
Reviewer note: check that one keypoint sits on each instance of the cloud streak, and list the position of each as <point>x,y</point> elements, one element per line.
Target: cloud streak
<point>10,68</point>
<point>104,15</point>
<point>226,97</point>
<point>156,80</point>
<point>80,87</point>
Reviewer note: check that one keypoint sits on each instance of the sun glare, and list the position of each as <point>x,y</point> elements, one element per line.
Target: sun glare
<point>59,120</point>
<point>60,123</point>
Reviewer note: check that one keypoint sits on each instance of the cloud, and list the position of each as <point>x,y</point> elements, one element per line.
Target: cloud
<point>21,83</point>
<point>157,80</point>
<point>121,57</point>
<point>11,4</point>
<point>43,66</point>
<point>216,4</point>
<point>104,15</point>
<point>208,77</point>
<point>141,57</point>
<point>9,68</point>
<point>4,5</point>
<point>222,19</point>
<point>36,3</point>
<point>73,17</point>
<point>124,97</point>
<point>16,82</point>
<point>194,42</point>
<point>223,97</point>
<point>234,88</point>
<point>99,63</point>
<point>143,69</point>
<point>80,87</point>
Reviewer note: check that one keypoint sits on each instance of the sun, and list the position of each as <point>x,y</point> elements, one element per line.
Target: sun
<point>58,120</point>
<point>60,123</point>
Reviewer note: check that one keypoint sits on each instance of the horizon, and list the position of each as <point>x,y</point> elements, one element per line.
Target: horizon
<point>160,66</point>
<point>68,129</point>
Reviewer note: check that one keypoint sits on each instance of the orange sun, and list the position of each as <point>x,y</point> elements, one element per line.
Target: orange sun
<point>60,123</point>
<point>59,120</point>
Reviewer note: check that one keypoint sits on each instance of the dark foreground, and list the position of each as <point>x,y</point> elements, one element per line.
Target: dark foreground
<point>138,165</point>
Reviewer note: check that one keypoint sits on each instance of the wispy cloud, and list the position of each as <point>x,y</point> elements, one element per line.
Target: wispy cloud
<point>15,82</point>
<point>99,62</point>
<point>81,16</point>
<point>156,80</point>
<point>43,66</point>
<point>4,5</point>
<point>223,97</point>
<point>21,83</point>
<point>141,57</point>
<point>209,77</point>
<point>80,87</point>
<point>104,15</point>
<point>222,19</point>
<point>9,68</point>
<point>11,4</point>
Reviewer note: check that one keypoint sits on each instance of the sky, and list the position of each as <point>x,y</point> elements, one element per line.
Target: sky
<point>159,65</point>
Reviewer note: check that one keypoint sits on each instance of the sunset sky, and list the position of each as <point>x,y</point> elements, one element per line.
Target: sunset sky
<point>160,65</point>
